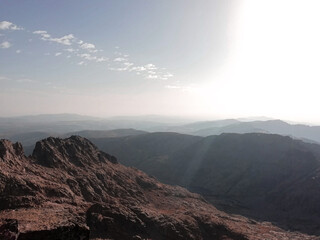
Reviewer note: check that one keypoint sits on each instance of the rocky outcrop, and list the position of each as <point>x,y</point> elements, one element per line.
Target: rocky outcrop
<point>10,151</point>
<point>75,150</point>
<point>9,229</point>
<point>68,189</point>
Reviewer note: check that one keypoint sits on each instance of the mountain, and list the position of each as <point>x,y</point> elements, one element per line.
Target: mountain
<point>265,176</point>
<point>107,133</point>
<point>216,127</point>
<point>299,131</point>
<point>254,118</point>
<point>68,189</point>
<point>52,117</point>
<point>66,123</point>
<point>22,128</point>
<point>148,152</point>
<point>154,118</point>
<point>29,139</point>
<point>192,128</point>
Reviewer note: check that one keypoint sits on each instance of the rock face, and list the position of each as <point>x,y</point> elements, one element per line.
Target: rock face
<point>9,229</point>
<point>68,189</point>
<point>9,151</point>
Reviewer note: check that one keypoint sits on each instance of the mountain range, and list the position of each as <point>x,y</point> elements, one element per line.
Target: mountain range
<point>29,129</point>
<point>68,189</point>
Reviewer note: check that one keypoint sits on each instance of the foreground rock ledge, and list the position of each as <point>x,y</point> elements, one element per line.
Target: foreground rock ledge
<point>68,189</point>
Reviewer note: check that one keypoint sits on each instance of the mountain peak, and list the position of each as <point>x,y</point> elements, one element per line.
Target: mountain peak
<point>76,150</point>
<point>9,150</point>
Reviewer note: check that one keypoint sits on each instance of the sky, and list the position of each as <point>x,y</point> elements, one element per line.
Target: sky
<point>206,59</point>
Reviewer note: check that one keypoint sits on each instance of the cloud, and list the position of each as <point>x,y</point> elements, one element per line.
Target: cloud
<point>87,52</point>
<point>119,59</point>
<point>5,25</point>
<point>147,71</point>
<point>102,59</point>
<point>150,66</point>
<point>166,76</point>
<point>44,35</point>
<point>150,71</point>
<point>87,56</point>
<point>87,46</point>
<point>121,64</point>
<point>71,50</point>
<point>151,76</point>
<point>138,69</point>
<point>65,40</point>
<point>70,40</point>
<point>120,69</point>
<point>128,64</point>
<point>40,32</point>
<point>173,87</point>
<point>5,44</point>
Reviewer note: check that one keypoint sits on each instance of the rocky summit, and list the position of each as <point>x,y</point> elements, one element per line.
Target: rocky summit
<point>68,189</point>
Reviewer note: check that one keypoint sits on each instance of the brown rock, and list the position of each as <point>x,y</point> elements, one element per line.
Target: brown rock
<point>9,229</point>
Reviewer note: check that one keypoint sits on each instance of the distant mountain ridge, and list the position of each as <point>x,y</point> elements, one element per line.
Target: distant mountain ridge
<point>300,131</point>
<point>106,133</point>
<point>65,123</point>
<point>57,125</point>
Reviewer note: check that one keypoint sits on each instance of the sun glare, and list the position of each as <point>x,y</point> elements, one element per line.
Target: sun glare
<point>274,61</point>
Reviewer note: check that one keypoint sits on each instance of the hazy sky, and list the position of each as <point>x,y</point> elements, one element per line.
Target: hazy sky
<point>206,58</point>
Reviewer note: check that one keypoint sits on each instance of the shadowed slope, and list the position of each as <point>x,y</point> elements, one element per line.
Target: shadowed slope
<point>266,176</point>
